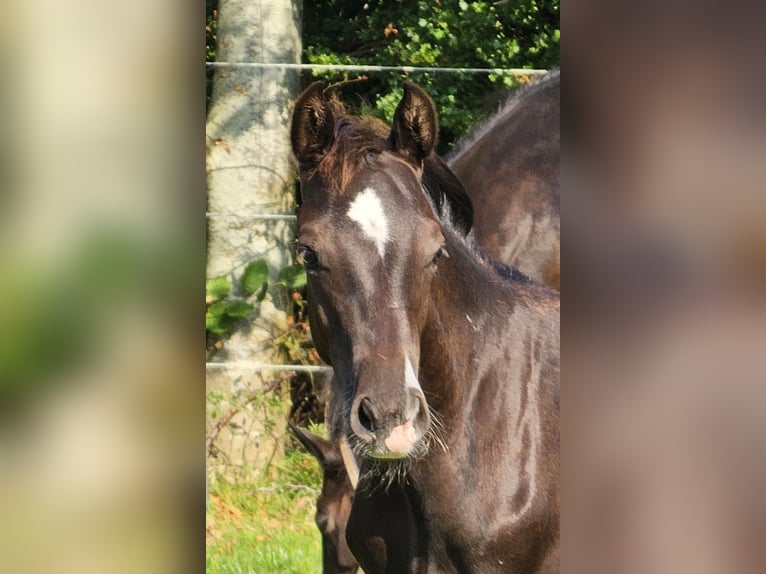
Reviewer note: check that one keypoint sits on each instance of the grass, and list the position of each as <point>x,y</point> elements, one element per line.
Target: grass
<point>266,526</point>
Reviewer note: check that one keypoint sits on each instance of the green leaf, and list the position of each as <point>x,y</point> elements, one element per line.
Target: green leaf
<point>216,319</point>
<point>237,308</point>
<point>218,287</point>
<point>255,275</point>
<point>294,276</point>
<point>262,293</point>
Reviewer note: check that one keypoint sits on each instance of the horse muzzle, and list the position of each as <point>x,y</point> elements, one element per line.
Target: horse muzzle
<point>390,430</point>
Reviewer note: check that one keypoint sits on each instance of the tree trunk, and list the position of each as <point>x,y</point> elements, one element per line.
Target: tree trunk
<point>249,173</point>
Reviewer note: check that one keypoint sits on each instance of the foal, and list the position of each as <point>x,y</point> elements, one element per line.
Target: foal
<point>415,323</point>
<point>334,504</point>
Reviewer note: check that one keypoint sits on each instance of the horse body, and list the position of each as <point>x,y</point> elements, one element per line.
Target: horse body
<point>446,370</point>
<point>510,166</point>
<point>491,497</point>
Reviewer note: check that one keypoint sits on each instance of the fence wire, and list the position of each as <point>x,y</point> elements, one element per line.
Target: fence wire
<point>368,68</point>
<point>255,366</point>
<point>263,216</point>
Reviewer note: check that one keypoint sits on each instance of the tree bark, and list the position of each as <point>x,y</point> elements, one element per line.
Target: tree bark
<point>249,172</point>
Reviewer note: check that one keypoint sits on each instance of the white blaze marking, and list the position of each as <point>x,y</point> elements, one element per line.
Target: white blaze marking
<point>404,437</point>
<point>367,211</point>
<point>410,378</point>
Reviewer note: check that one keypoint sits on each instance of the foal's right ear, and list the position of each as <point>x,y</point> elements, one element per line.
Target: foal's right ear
<point>415,127</point>
<point>312,128</point>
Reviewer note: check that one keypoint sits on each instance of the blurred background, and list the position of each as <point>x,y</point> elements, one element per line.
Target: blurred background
<point>663,328</point>
<point>102,254</point>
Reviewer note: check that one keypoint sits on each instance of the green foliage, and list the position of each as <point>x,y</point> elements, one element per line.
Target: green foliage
<point>223,311</point>
<point>446,33</point>
<point>433,33</point>
<point>218,287</point>
<point>226,310</point>
<point>211,29</point>
<point>255,279</point>
<point>293,276</point>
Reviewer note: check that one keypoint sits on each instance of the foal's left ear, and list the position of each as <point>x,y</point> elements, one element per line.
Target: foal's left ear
<point>415,126</point>
<point>313,127</point>
<point>323,450</point>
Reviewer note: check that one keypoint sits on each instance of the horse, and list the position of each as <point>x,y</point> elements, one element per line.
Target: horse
<point>334,502</point>
<point>531,112</point>
<point>340,475</point>
<point>510,166</point>
<point>446,369</point>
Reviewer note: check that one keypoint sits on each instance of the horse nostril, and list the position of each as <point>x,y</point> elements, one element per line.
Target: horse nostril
<point>366,416</point>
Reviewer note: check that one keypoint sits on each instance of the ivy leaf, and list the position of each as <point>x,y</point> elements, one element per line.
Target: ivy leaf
<point>293,276</point>
<point>262,293</point>
<point>216,319</point>
<point>218,287</point>
<point>255,276</point>
<point>237,308</point>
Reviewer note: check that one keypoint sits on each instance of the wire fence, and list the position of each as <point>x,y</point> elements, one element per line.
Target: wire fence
<point>264,216</point>
<point>351,68</point>
<point>368,68</point>
<point>255,366</point>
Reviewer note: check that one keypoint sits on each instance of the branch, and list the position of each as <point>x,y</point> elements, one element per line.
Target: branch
<point>226,418</point>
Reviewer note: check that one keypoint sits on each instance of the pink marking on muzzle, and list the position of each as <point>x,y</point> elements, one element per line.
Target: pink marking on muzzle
<point>402,438</point>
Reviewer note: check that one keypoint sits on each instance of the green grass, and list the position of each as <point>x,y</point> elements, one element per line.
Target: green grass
<point>266,526</point>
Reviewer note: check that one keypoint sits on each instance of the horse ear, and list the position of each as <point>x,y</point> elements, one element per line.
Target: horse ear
<point>312,128</point>
<point>320,448</point>
<point>415,126</point>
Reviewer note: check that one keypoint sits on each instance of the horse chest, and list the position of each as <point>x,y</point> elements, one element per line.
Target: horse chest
<point>485,503</point>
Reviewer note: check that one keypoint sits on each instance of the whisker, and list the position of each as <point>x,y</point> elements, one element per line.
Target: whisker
<point>437,430</point>
<point>377,474</point>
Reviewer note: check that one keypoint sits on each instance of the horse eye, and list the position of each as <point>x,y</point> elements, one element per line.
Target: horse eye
<point>307,257</point>
<point>441,252</point>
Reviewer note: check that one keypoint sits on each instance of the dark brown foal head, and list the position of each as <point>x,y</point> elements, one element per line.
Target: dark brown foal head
<point>370,239</point>
<point>333,505</point>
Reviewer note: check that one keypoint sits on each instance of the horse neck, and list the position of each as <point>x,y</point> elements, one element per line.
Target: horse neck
<point>481,330</point>
<point>465,294</point>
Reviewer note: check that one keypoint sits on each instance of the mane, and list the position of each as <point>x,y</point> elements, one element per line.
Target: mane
<point>504,272</point>
<point>516,99</point>
<point>357,139</point>
<point>524,287</point>
<point>536,294</point>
